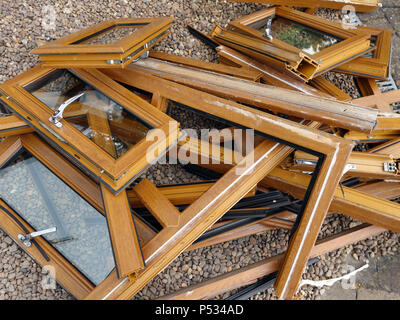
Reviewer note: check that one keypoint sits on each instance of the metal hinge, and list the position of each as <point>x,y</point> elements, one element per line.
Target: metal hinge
<point>390,167</point>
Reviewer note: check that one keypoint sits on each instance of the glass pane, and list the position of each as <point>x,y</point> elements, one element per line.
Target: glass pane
<point>44,201</point>
<point>111,35</point>
<point>308,39</point>
<point>112,127</point>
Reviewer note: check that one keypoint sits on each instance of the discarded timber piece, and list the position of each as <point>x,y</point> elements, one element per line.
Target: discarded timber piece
<point>99,46</point>
<point>116,152</point>
<point>328,111</point>
<point>159,206</point>
<point>281,26</point>
<point>247,275</point>
<point>359,5</point>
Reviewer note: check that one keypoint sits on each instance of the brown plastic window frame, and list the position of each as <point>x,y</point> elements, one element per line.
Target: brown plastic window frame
<point>329,111</point>
<point>355,42</point>
<point>115,173</point>
<point>124,240</point>
<point>359,5</point>
<point>377,66</point>
<point>63,53</point>
<point>361,164</point>
<point>333,151</point>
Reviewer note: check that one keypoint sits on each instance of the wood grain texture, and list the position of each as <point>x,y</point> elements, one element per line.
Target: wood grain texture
<point>247,275</point>
<point>159,206</point>
<point>126,248</point>
<point>336,113</point>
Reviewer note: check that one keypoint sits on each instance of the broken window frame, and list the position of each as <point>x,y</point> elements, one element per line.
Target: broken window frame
<point>69,276</point>
<point>355,42</point>
<point>65,53</point>
<point>115,173</point>
<point>333,152</point>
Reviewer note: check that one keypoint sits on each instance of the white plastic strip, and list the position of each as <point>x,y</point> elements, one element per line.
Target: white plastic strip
<point>331,282</point>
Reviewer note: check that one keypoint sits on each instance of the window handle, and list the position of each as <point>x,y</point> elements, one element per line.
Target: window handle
<point>26,238</point>
<point>58,113</point>
<point>268,27</point>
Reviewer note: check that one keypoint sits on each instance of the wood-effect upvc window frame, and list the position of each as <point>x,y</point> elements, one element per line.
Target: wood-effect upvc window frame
<point>125,245</point>
<point>71,51</point>
<point>377,66</point>
<point>359,5</point>
<point>114,173</point>
<point>361,164</point>
<point>355,43</point>
<point>333,153</point>
<point>278,100</point>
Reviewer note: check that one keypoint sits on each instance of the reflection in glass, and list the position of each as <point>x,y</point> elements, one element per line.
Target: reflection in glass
<point>112,127</point>
<point>44,201</point>
<point>305,38</point>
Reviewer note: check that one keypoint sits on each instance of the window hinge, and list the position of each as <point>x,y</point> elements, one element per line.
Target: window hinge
<point>390,167</point>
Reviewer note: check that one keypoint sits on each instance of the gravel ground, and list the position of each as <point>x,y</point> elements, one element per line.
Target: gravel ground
<point>22,30</point>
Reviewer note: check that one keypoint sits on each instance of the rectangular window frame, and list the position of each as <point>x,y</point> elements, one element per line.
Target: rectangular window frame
<point>377,66</point>
<point>115,173</point>
<point>127,253</point>
<point>63,53</point>
<point>359,5</point>
<point>355,41</point>
<point>333,152</point>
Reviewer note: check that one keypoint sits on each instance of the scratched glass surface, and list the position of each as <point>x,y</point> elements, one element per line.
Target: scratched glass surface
<point>111,35</point>
<point>108,124</point>
<point>305,38</point>
<point>44,201</point>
